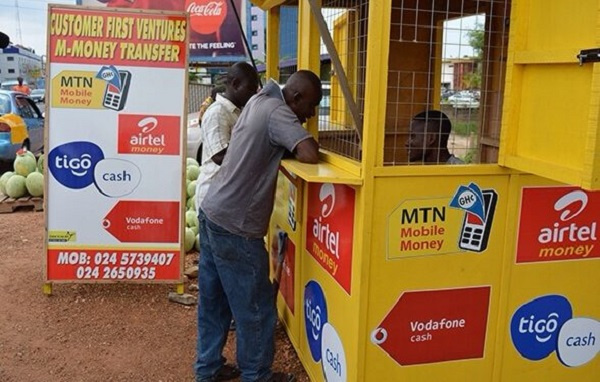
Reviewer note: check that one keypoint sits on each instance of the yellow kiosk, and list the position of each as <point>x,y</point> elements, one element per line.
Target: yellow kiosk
<point>488,271</point>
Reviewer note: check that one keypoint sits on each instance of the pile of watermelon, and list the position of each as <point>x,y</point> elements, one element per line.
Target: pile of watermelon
<point>191,215</point>
<point>26,178</point>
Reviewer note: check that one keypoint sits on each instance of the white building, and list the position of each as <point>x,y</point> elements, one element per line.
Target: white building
<point>18,61</point>
<point>256,34</point>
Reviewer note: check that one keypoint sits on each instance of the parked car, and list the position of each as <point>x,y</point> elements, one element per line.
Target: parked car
<point>194,137</point>
<point>21,125</point>
<point>463,101</point>
<point>38,95</point>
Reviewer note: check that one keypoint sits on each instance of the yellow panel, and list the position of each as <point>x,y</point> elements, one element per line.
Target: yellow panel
<point>554,113</point>
<point>559,24</point>
<point>573,278</point>
<point>267,4</point>
<point>322,172</point>
<point>550,118</point>
<point>393,273</point>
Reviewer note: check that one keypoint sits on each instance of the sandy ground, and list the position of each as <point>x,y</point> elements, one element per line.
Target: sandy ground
<point>94,332</point>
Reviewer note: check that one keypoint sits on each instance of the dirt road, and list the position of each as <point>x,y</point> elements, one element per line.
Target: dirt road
<point>93,332</point>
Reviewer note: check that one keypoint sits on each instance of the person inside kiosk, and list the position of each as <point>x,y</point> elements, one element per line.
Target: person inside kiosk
<point>428,140</point>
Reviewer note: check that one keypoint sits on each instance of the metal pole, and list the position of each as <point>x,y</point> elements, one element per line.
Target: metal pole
<point>237,16</point>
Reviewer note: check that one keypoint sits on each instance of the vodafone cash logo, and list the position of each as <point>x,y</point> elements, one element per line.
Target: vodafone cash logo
<point>72,164</point>
<point>206,16</point>
<point>546,324</point>
<point>315,317</point>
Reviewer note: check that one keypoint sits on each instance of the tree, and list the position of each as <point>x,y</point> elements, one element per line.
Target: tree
<point>476,41</point>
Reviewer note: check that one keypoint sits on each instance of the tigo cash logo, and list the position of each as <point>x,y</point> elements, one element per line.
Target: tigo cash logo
<point>315,317</point>
<point>72,164</point>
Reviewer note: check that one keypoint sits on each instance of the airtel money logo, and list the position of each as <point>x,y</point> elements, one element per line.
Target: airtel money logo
<point>570,206</point>
<point>149,134</point>
<point>322,231</point>
<point>206,16</point>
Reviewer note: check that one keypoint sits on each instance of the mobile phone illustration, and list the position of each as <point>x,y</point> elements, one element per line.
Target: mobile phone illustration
<point>475,233</point>
<point>115,99</point>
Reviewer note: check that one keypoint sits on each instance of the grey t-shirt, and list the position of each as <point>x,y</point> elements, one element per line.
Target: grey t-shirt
<point>241,197</point>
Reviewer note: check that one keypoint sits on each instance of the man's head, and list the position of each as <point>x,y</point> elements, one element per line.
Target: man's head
<point>20,80</point>
<point>302,93</point>
<point>428,140</point>
<point>241,83</point>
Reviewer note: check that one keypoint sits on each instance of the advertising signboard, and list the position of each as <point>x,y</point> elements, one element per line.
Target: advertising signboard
<point>114,144</point>
<point>558,224</point>
<point>329,229</point>
<point>215,35</point>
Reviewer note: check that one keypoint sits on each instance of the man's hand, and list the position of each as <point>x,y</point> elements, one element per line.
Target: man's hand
<point>307,151</point>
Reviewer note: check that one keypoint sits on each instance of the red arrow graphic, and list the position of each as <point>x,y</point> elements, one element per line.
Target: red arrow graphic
<point>134,221</point>
<point>435,326</point>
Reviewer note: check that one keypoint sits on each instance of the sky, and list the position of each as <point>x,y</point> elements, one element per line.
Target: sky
<point>33,15</point>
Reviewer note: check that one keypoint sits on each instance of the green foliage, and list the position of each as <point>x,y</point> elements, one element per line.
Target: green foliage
<point>470,156</point>
<point>465,128</point>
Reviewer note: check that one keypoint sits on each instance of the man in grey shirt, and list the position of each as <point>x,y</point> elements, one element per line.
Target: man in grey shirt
<point>428,141</point>
<point>234,217</point>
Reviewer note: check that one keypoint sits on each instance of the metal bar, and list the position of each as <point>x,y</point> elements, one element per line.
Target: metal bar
<point>339,69</point>
<point>237,16</point>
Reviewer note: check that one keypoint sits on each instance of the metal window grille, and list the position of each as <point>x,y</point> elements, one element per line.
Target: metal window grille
<point>338,128</point>
<point>447,56</point>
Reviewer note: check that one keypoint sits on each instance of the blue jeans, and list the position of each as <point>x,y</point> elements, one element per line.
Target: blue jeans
<point>233,278</point>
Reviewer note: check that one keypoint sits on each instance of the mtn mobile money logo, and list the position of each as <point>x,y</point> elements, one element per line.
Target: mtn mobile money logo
<point>72,164</point>
<point>558,223</point>
<point>546,324</point>
<point>479,206</point>
<point>149,134</point>
<point>315,317</point>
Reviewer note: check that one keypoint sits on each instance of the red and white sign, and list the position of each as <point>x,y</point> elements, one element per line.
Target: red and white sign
<point>286,284</point>
<point>97,264</point>
<point>330,229</point>
<point>149,134</point>
<point>558,223</point>
<point>133,221</point>
<point>206,16</point>
<point>435,326</point>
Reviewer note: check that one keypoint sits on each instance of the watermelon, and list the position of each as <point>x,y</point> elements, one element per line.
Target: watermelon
<point>195,229</point>
<point>3,179</point>
<point>197,243</point>
<point>192,172</point>
<point>192,162</point>
<point>40,164</point>
<point>35,184</point>
<point>189,239</point>
<point>191,189</point>
<point>15,187</point>
<point>25,162</point>
<point>191,219</point>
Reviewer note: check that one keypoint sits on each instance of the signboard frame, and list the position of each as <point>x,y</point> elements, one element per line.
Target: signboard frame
<point>177,250</point>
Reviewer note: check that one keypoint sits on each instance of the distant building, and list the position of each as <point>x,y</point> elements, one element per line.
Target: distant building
<point>454,71</point>
<point>18,61</point>
<point>256,31</point>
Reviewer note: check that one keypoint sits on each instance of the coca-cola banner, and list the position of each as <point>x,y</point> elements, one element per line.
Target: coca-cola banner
<point>214,31</point>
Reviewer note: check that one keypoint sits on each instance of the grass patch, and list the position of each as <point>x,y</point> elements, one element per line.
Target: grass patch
<point>465,128</point>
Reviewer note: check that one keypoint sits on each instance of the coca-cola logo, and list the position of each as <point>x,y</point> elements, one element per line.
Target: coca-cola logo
<point>206,16</point>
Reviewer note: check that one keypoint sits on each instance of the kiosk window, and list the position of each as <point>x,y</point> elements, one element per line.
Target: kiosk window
<point>448,56</point>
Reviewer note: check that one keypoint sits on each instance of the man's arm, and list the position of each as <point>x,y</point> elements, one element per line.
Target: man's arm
<point>218,157</point>
<point>307,151</point>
